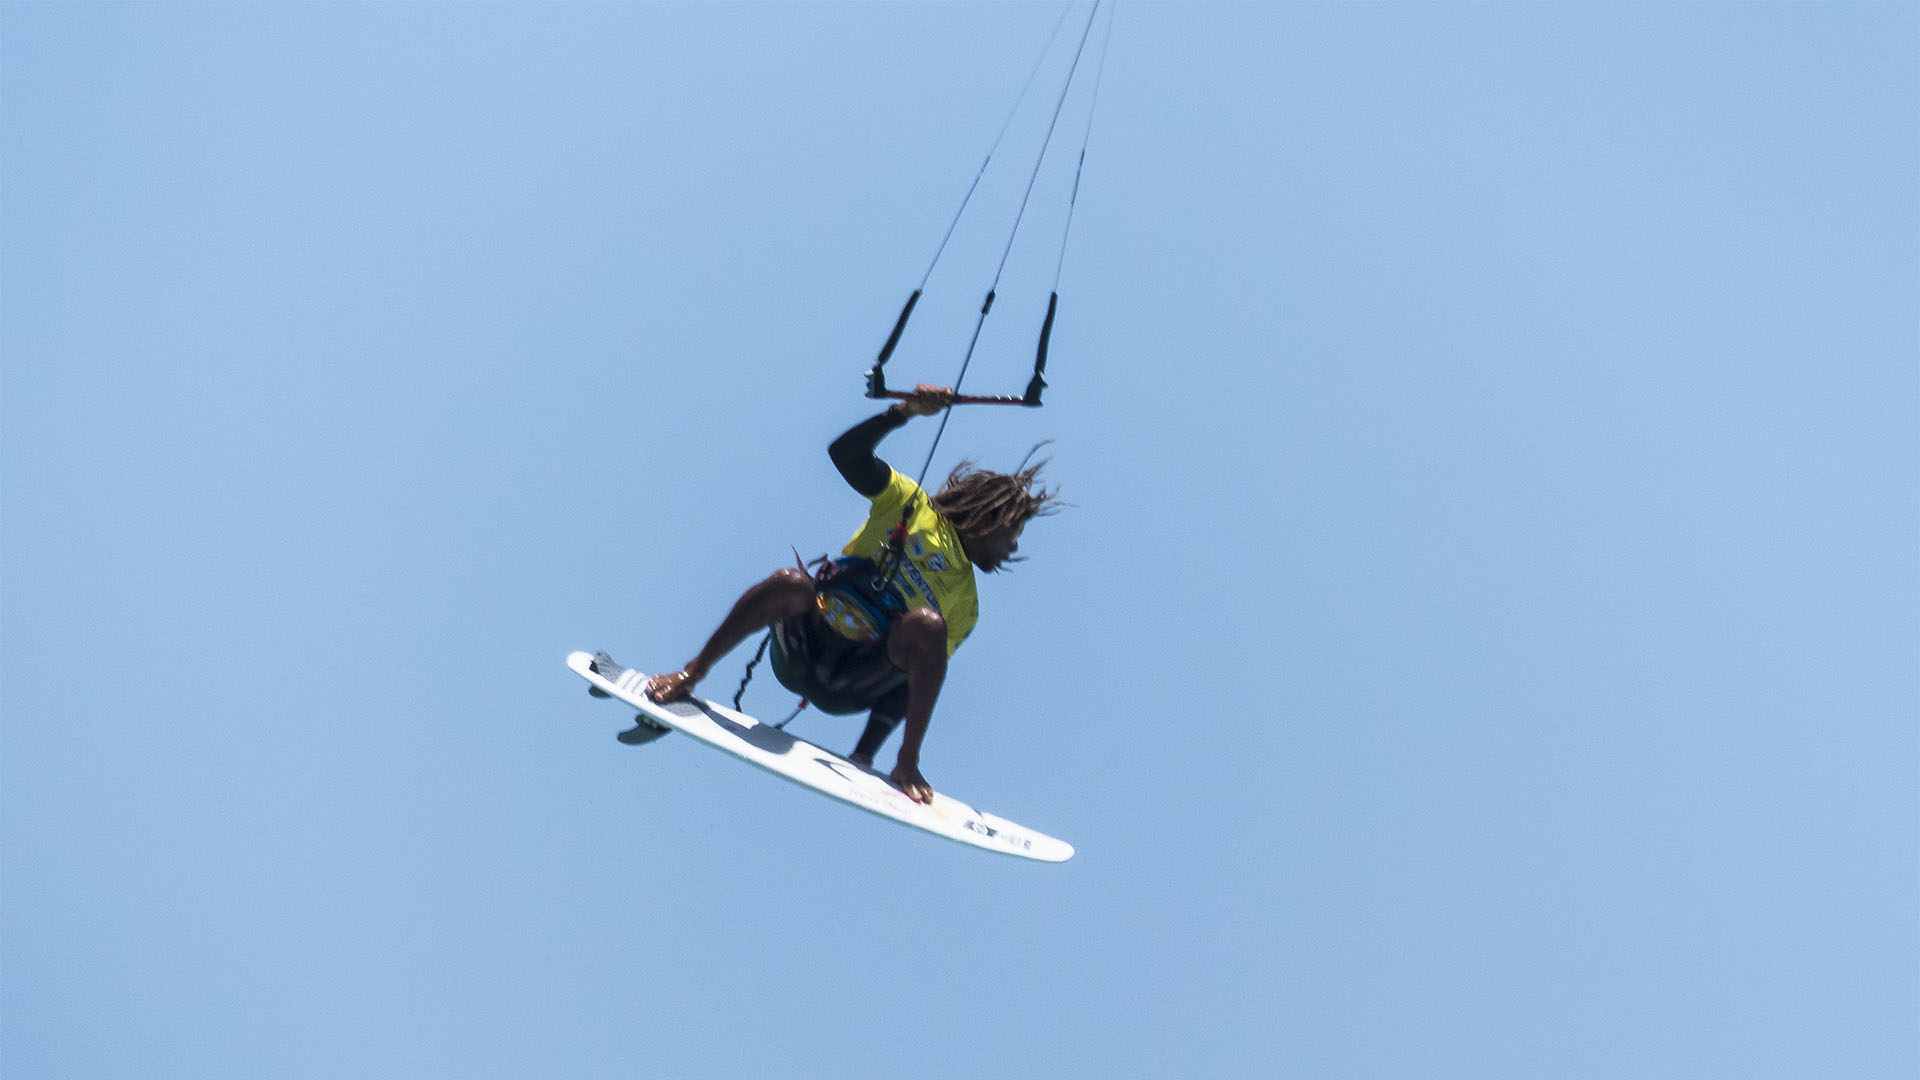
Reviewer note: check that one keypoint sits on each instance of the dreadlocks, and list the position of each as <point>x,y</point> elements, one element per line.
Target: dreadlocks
<point>978,501</point>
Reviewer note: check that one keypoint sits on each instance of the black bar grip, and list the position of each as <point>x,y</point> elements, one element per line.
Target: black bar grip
<point>877,383</point>
<point>1040,356</point>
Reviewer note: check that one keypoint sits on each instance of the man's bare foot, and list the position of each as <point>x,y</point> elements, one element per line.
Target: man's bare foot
<point>907,778</point>
<point>672,687</point>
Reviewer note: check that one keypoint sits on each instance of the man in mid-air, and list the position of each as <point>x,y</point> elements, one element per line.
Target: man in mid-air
<point>874,629</point>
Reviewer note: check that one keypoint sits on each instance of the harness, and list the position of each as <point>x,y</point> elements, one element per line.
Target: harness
<point>859,597</point>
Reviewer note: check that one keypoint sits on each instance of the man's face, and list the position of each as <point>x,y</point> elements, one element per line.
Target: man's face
<point>990,550</point>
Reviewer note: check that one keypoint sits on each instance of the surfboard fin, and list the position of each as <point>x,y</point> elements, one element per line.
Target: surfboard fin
<point>644,731</point>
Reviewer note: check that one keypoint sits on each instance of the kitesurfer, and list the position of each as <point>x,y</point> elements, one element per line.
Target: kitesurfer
<point>874,629</point>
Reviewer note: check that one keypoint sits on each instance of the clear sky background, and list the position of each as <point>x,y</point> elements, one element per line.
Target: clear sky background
<point>1486,644</point>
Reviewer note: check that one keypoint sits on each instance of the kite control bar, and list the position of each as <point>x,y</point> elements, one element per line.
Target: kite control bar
<point>879,390</point>
<point>877,381</point>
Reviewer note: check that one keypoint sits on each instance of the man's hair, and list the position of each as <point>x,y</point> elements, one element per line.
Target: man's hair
<point>978,501</point>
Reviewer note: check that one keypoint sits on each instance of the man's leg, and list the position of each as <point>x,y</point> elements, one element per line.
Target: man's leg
<point>788,592</point>
<point>918,646</point>
<point>881,721</point>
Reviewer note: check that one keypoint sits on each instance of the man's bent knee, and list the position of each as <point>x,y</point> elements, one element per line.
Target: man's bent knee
<point>920,631</point>
<point>790,579</point>
<point>788,591</point>
<point>925,623</point>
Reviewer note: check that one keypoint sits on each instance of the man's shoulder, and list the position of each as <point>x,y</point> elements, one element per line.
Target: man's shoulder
<point>899,491</point>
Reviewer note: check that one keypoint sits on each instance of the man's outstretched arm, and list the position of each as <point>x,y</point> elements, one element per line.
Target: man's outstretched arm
<point>852,452</point>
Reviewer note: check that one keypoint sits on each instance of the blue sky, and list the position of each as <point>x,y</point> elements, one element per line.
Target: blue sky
<point>1486,642</point>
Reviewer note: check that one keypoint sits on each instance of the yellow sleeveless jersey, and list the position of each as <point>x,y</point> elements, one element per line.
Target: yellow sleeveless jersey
<point>936,572</point>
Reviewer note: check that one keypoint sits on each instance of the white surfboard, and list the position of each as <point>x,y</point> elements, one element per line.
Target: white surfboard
<point>823,771</point>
